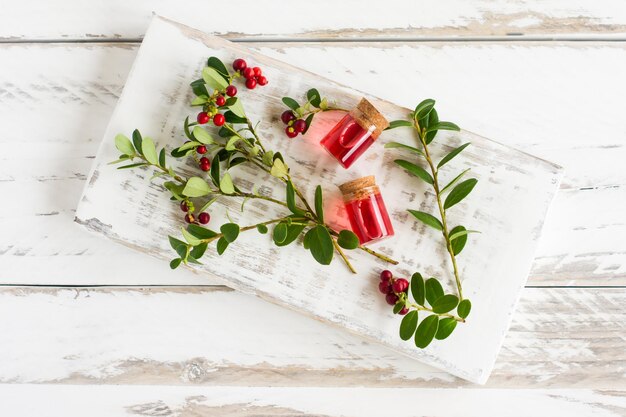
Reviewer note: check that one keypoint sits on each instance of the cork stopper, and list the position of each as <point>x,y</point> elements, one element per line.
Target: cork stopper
<point>367,116</point>
<point>359,188</point>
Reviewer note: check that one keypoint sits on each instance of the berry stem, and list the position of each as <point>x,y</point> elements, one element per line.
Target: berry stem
<point>421,133</point>
<point>343,256</point>
<point>430,310</point>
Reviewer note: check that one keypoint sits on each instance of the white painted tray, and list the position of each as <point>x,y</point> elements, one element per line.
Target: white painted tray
<point>508,205</point>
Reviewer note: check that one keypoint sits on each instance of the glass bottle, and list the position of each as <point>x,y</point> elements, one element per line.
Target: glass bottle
<point>354,133</point>
<point>366,210</point>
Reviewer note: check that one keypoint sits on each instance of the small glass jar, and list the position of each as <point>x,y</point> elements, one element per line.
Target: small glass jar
<point>354,133</point>
<point>366,210</point>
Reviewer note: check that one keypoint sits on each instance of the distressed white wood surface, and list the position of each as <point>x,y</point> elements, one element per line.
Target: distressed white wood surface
<point>560,338</point>
<point>125,207</point>
<point>141,400</point>
<point>578,246</point>
<point>74,19</point>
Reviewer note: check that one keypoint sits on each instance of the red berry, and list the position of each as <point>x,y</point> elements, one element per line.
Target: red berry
<point>231,91</point>
<point>400,285</point>
<point>386,275</point>
<point>287,116</point>
<point>384,287</point>
<point>183,206</point>
<point>239,64</point>
<point>251,83</point>
<point>205,164</point>
<point>204,217</point>
<point>219,119</point>
<point>189,218</point>
<point>203,117</point>
<point>257,71</point>
<point>299,126</point>
<point>391,299</point>
<point>220,101</point>
<point>404,311</point>
<point>201,149</point>
<point>291,133</point>
<point>248,73</point>
<point>262,80</point>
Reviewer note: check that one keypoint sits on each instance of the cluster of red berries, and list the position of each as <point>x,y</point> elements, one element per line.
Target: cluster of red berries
<point>294,125</point>
<point>187,207</point>
<point>253,75</point>
<point>393,288</point>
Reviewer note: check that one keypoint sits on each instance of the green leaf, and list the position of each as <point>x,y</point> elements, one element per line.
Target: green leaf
<point>222,244</point>
<point>452,154</point>
<point>188,145</point>
<point>226,184</point>
<point>446,327</point>
<point>162,158</point>
<point>319,204</point>
<point>398,307</point>
<point>399,123</point>
<point>291,103</point>
<point>308,121</point>
<point>314,97</point>
<point>218,65</point>
<point>201,232</point>
<point>237,108</point>
<point>443,126</point>
<point>261,228</point>
<point>139,164</point>
<point>230,145</point>
<point>191,239</point>
<point>137,140</point>
<point>391,145</point>
<point>268,158</point>
<point>445,303</point>
<point>230,231</point>
<point>175,263</point>
<point>459,192</point>
<point>427,219</point>
<point>179,246</point>
<point>215,170</point>
<point>174,188</point>
<point>464,308</point>
<point>200,100</point>
<point>454,181</point>
<point>196,187</point>
<point>426,331</point>
<point>214,79</point>
<point>459,242</point>
<point>408,325</point>
<point>291,199</point>
<point>416,170</point>
<point>433,118</point>
<point>202,136</point>
<point>122,143</point>
<point>293,231</point>
<point>199,88</point>
<point>422,109</point>
<point>279,169</point>
<point>417,288</point>
<point>149,151</point>
<point>348,240</point>
<point>433,290</point>
<point>321,244</point>
<point>280,233</point>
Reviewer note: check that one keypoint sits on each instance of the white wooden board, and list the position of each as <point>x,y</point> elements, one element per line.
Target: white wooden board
<point>509,208</point>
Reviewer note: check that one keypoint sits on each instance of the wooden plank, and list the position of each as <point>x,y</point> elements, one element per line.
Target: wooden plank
<point>559,339</point>
<point>136,400</point>
<point>125,206</point>
<point>577,246</point>
<point>327,20</point>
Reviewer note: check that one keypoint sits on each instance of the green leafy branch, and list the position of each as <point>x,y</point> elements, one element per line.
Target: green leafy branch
<point>237,142</point>
<point>440,324</point>
<point>300,116</point>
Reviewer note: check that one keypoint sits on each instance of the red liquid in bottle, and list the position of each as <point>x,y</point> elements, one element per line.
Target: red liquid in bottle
<point>366,210</point>
<point>347,140</point>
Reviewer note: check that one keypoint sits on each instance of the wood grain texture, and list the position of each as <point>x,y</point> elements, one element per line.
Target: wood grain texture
<point>578,245</point>
<point>126,208</point>
<point>560,339</point>
<point>172,401</point>
<point>330,20</point>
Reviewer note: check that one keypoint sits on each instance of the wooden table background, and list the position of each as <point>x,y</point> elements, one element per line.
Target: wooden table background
<point>90,328</point>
